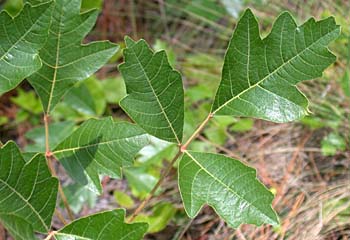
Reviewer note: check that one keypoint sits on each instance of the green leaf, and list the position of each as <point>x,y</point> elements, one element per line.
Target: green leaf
<point>114,89</point>
<point>28,101</point>
<point>100,147</point>
<point>79,98</point>
<point>227,185</point>
<point>13,7</point>
<point>243,125</point>
<point>19,228</point>
<point>102,226</point>
<point>155,152</point>
<point>98,95</point>
<point>78,196</point>
<point>65,60</point>
<point>123,199</point>
<point>159,219</point>
<point>35,2</point>
<point>259,75</point>
<point>27,191</point>
<point>160,45</point>
<point>58,132</point>
<point>87,98</point>
<point>21,38</point>
<point>140,181</point>
<point>91,4</point>
<point>332,143</point>
<point>345,82</point>
<point>155,99</point>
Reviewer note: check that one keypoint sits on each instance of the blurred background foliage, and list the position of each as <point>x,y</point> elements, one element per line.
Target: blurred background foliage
<point>305,164</point>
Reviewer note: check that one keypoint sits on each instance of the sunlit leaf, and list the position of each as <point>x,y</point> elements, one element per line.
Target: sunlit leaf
<point>100,147</point>
<point>227,185</point>
<point>259,75</point>
<point>102,226</point>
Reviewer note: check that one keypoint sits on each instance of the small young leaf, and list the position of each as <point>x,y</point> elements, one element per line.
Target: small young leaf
<point>259,76</point>
<point>123,199</point>
<point>332,143</point>
<point>100,147</point>
<point>65,60</point>
<point>21,38</point>
<point>27,100</point>
<point>155,99</point>
<point>140,181</point>
<point>102,226</point>
<point>27,190</point>
<point>162,214</point>
<point>227,185</point>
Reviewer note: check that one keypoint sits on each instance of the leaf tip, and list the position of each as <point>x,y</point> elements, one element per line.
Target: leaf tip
<point>129,41</point>
<point>248,12</point>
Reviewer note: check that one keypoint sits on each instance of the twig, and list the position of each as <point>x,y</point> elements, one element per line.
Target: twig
<point>182,148</point>
<point>184,230</point>
<point>197,132</point>
<point>155,188</point>
<point>50,235</point>
<point>2,232</point>
<point>133,19</point>
<point>49,158</point>
<point>60,216</point>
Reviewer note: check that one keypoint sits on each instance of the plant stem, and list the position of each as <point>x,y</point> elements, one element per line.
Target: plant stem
<point>50,235</point>
<point>182,148</point>
<point>49,159</point>
<point>155,188</point>
<point>2,232</point>
<point>198,131</point>
<point>60,217</point>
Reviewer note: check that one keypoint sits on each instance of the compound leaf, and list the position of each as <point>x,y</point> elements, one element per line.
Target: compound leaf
<point>65,60</point>
<point>259,76</point>
<point>27,192</point>
<point>101,226</point>
<point>227,185</point>
<point>155,99</point>
<point>100,147</point>
<point>21,38</point>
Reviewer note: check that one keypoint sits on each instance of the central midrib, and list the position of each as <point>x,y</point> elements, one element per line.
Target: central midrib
<point>93,145</point>
<point>56,62</point>
<point>272,73</point>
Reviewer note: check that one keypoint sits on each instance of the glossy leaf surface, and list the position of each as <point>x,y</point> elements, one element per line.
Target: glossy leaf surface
<point>102,226</point>
<point>100,147</point>
<point>27,191</point>
<point>227,185</point>
<point>259,75</point>
<point>65,60</point>
<point>21,38</point>
<point>155,95</point>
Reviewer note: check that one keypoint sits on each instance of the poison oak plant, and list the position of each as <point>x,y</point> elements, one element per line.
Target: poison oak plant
<point>259,77</point>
